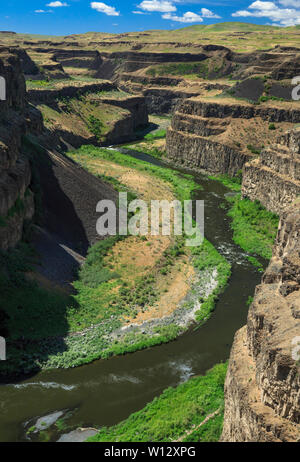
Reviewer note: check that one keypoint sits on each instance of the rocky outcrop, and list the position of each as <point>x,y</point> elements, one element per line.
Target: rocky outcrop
<point>132,61</point>
<point>274,178</point>
<point>217,134</point>
<point>163,94</point>
<point>78,113</point>
<point>79,59</point>
<point>189,141</point>
<point>262,389</point>
<point>67,90</point>
<point>199,153</point>
<point>136,105</point>
<point>16,198</point>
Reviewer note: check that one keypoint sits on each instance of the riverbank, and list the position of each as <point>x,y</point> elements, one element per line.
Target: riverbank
<point>91,392</point>
<point>191,412</point>
<point>254,227</point>
<point>116,309</point>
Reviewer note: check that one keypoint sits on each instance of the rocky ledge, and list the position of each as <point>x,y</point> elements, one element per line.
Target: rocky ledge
<point>220,135</point>
<point>262,389</point>
<point>274,178</point>
<point>16,118</point>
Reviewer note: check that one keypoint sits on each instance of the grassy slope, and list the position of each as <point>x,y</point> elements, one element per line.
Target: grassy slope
<point>175,413</point>
<point>88,118</point>
<point>228,26</point>
<point>254,227</point>
<point>204,257</point>
<point>149,144</point>
<point>102,298</point>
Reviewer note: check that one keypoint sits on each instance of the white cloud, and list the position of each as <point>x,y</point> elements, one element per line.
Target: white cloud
<point>294,3</point>
<point>279,16</point>
<point>188,17</point>
<point>56,5</point>
<point>140,12</point>
<point>263,6</point>
<point>161,6</point>
<point>106,9</point>
<point>43,11</point>
<point>205,13</point>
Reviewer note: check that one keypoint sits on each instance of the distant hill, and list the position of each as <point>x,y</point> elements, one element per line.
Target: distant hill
<point>230,26</point>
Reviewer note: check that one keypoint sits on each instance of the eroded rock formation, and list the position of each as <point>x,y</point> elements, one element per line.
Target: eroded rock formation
<point>220,135</point>
<point>274,177</point>
<point>16,198</point>
<point>262,390</point>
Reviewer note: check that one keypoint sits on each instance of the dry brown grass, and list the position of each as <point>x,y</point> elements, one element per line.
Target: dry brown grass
<point>143,256</point>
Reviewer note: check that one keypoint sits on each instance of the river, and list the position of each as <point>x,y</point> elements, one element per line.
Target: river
<point>108,391</point>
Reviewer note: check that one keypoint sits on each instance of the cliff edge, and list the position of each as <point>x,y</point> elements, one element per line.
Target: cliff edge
<point>262,389</point>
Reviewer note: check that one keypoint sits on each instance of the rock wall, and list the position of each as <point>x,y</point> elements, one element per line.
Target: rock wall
<point>198,153</point>
<point>191,143</point>
<point>274,178</point>
<point>69,90</point>
<point>136,105</point>
<point>216,134</point>
<point>16,199</point>
<point>262,389</point>
<point>164,94</point>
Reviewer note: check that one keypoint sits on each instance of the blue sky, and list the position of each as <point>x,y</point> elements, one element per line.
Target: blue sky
<point>78,16</point>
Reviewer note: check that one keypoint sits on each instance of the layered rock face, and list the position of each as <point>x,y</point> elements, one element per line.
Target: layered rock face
<point>97,113</point>
<point>68,90</point>
<point>163,94</point>
<point>16,199</point>
<point>262,390</point>
<point>215,135</point>
<point>274,178</point>
<point>189,143</point>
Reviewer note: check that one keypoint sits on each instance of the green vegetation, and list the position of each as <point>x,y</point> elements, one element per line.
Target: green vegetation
<point>177,69</point>
<point>89,117</point>
<point>232,182</point>
<point>206,258</point>
<point>95,126</point>
<point>182,184</point>
<point>265,98</point>
<point>176,414</point>
<point>113,94</point>
<point>254,228</point>
<point>256,263</point>
<point>253,149</point>
<point>30,84</point>
<point>210,67</point>
<point>17,208</point>
<point>46,321</point>
<point>147,144</point>
<point>155,135</point>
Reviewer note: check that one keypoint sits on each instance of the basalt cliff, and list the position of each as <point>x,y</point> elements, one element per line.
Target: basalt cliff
<point>231,112</point>
<point>274,177</point>
<point>262,390</point>
<point>16,119</point>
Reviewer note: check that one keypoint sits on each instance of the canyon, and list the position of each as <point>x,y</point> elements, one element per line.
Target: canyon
<point>231,114</point>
